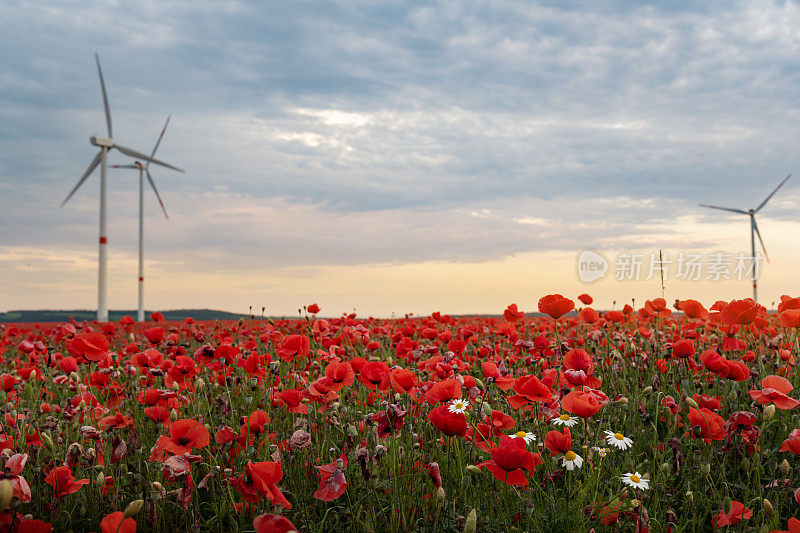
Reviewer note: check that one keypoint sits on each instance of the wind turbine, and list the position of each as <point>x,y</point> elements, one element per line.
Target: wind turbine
<point>144,170</point>
<point>754,231</point>
<point>105,144</point>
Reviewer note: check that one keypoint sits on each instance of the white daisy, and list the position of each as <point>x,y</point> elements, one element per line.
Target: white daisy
<point>529,437</point>
<point>572,460</point>
<point>601,451</point>
<point>458,405</point>
<point>635,480</point>
<point>565,420</point>
<point>618,439</point>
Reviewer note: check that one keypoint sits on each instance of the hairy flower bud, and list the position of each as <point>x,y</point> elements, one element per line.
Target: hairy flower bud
<point>769,510</point>
<point>769,412</point>
<point>784,467</point>
<point>705,469</point>
<point>471,525</point>
<point>691,402</point>
<point>440,494</point>
<point>6,493</point>
<point>133,508</point>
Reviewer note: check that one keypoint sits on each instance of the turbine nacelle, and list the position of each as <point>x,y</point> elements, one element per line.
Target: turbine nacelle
<point>103,142</point>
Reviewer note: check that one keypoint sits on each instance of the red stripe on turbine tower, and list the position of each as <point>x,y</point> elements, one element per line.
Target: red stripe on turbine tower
<point>103,240</point>
<point>141,279</point>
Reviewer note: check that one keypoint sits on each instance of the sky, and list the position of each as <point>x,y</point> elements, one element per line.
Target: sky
<point>397,157</point>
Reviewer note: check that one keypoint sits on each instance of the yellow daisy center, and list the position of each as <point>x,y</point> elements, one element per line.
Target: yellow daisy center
<point>564,417</point>
<point>570,455</point>
<point>619,436</point>
<point>458,405</point>
<point>521,434</point>
<point>635,478</point>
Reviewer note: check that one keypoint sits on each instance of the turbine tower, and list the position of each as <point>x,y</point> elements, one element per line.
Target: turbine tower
<point>101,158</point>
<point>754,231</point>
<point>144,170</point>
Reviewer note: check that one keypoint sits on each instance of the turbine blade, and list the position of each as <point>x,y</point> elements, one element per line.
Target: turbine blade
<point>105,97</point>
<point>725,209</point>
<point>163,130</point>
<point>153,185</point>
<point>92,166</point>
<point>758,233</point>
<point>141,156</point>
<point>772,194</point>
<point>123,166</point>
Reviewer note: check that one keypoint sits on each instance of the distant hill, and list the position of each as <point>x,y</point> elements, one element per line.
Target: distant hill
<point>50,315</point>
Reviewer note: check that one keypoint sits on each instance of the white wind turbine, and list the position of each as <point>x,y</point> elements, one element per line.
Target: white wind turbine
<point>754,231</point>
<point>144,170</point>
<point>105,144</point>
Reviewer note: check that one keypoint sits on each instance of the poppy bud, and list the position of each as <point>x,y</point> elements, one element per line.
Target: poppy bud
<point>100,479</point>
<point>472,469</point>
<point>33,374</point>
<point>173,415</point>
<point>745,464</point>
<point>46,440</point>
<point>352,431</point>
<point>6,493</point>
<point>647,390</point>
<point>486,409</point>
<point>689,496</point>
<point>705,469</point>
<point>471,525</point>
<point>785,467</point>
<point>480,385</point>
<point>666,467</point>
<point>98,468</point>
<point>133,508</point>
<point>74,376</point>
<point>624,400</point>
<point>733,395</point>
<point>691,402</point>
<point>769,510</point>
<point>439,494</point>
<point>175,386</point>
<point>769,412</point>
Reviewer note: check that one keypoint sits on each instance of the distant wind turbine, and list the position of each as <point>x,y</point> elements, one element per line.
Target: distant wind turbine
<point>144,170</point>
<point>105,144</point>
<point>754,231</point>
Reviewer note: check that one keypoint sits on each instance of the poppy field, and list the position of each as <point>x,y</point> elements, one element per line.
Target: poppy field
<point>657,418</point>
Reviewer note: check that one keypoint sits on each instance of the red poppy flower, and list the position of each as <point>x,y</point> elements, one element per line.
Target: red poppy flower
<point>792,444</point>
<point>555,305</point>
<point>91,346</point>
<point>709,424</point>
<point>794,526</point>
<point>375,375</point>
<point>154,335</point>
<point>510,459</point>
<point>588,315</point>
<point>775,389</point>
<point>184,435</point>
<point>341,374</point>
<point>443,391</point>
<point>114,523</point>
<point>737,513</point>
<point>293,400</point>
<point>581,403</point>
<point>683,348</point>
<point>693,309</point>
<point>259,480</point>
<point>32,525</point>
<point>512,314</point>
<point>739,312</point>
<point>585,299</point>
<point>332,482</point>
<point>313,309</point>
<point>294,347</point>
<point>578,368</point>
<point>557,442</point>
<point>273,523</point>
<point>787,302</point>
<point>448,423</point>
<point>529,389</point>
<point>62,481</point>
<point>790,318</point>
<point>403,381</point>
